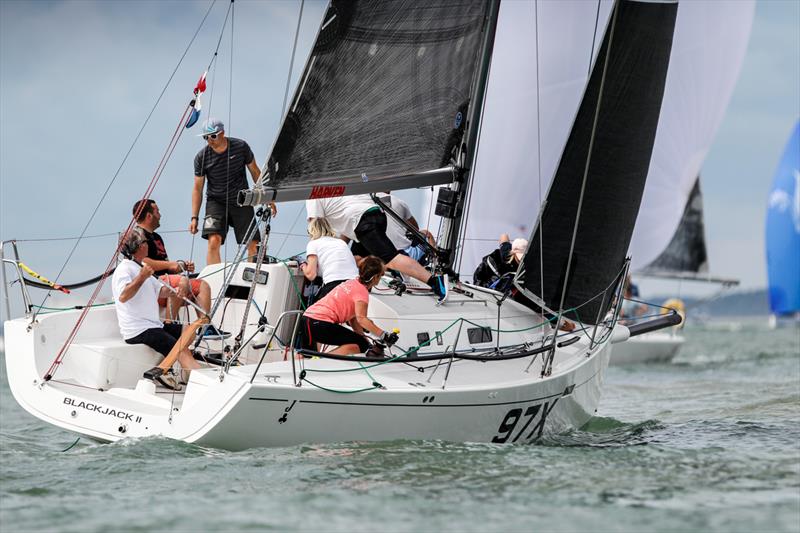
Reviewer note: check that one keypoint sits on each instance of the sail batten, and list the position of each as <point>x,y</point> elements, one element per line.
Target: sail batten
<point>631,68</point>
<point>383,99</point>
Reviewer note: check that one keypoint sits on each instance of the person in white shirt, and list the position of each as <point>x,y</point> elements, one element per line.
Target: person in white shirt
<point>136,294</point>
<point>328,257</point>
<point>359,219</point>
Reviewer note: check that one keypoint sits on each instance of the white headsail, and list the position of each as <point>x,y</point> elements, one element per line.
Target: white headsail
<point>517,149</point>
<point>710,42</point>
<point>508,168</point>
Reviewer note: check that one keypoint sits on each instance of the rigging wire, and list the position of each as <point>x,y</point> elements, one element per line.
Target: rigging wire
<point>291,61</point>
<point>470,188</point>
<point>229,126</point>
<point>154,180</point>
<point>62,351</point>
<point>127,154</point>
<point>538,156</point>
<point>283,115</point>
<point>586,169</point>
<point>212,67</point>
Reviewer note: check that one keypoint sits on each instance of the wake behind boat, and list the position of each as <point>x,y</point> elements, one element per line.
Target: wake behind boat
<point>478,367</point>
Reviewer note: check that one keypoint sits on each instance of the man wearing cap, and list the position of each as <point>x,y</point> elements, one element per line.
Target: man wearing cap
<point>222,164</point>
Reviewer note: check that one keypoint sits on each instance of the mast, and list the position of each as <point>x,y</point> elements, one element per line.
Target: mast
<point>468,150</point>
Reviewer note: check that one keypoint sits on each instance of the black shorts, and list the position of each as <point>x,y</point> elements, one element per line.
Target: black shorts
<point>216,223</point>
<point>371,234</point>
<point>160,339</point>
<point>313,330</point>
<point>328,287</point>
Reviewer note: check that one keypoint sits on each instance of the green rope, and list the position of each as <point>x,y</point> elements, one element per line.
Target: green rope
<point>367,372</point>
<point>373,365</point>
<point>294,283</point>
<point>426,343</point>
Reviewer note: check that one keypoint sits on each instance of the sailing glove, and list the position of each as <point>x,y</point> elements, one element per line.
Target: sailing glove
<point>389,338</point>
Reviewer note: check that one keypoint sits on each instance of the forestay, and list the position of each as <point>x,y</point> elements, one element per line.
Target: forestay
<point>601,175</point>
<point>517,149</point>
<point>382,101</point>
<point>543,52</point>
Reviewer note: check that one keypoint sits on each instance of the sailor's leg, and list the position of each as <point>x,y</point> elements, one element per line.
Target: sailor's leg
<point>409,267</point>
<point>252,249</point>
<point>214,244</point>
<point>346,349</point>
<point>202,293</point>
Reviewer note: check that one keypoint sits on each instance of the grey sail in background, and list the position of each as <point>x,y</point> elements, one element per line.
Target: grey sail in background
<point>631,68</point>
<point>383,98</point>
<point>686,252</point>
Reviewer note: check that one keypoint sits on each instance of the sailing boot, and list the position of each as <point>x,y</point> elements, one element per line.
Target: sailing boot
<point>439,284</point>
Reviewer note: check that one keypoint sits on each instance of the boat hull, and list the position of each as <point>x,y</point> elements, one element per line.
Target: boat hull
<point>656,347</point>
<point>243,409</point>
<point>517,413</point>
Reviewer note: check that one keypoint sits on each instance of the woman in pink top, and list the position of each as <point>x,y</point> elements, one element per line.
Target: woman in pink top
<point>346,304</point>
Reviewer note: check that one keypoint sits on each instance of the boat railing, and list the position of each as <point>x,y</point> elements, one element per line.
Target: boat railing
<point>297,313</point>
<point>26,297</point>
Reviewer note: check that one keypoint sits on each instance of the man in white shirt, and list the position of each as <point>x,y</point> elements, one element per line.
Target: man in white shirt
<point>136,293</point>
<point>358,218</point>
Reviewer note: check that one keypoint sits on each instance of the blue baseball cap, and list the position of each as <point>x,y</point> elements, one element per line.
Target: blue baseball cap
<point>212,125</point>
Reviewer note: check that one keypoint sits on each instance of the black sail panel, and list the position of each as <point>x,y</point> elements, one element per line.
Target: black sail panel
<point>686,252</point>
<point>635,64</point>
<point>383,96</point>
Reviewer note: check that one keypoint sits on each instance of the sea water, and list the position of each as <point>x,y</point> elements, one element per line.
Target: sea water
<point>710,441</point>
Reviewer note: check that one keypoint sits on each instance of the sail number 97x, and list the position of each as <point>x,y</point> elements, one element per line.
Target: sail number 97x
<point>514,416</point>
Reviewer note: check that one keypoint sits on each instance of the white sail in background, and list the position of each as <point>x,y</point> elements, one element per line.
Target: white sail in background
<point>710,42</point>
<point>505,188</point>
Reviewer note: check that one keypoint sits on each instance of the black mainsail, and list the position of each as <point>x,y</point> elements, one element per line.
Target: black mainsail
<point>617,120</point>
<point>382,102</point>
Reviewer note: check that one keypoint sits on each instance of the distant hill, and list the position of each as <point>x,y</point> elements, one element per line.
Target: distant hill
<point>739,304</point>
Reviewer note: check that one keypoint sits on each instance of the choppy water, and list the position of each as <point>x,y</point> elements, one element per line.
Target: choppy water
<point>709,442</point>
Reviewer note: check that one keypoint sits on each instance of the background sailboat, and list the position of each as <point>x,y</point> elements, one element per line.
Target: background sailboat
<point>669,238</point>
<point>783,234</point>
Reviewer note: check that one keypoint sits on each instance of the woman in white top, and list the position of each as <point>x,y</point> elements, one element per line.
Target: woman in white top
<point>328,257</point>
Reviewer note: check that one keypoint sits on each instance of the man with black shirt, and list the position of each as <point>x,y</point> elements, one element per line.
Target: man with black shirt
<point>222,164</point>
<point>148,218</point>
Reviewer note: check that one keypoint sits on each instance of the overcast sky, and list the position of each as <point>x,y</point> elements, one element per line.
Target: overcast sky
<point>77,80</point>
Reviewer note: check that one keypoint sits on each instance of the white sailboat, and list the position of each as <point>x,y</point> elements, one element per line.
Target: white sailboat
<point>391,98</point>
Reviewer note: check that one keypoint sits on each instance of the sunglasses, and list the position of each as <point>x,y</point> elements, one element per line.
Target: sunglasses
<point>210,136</point>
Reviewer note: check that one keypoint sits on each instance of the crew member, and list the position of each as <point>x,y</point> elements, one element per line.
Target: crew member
<point>222,164</point>
<point>136,292</point>
<point>148,218</point>
<point>348,303</point>
<point>358,218</point>
<point>328,257</point>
